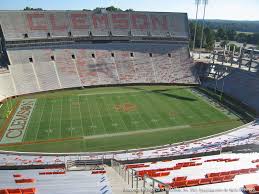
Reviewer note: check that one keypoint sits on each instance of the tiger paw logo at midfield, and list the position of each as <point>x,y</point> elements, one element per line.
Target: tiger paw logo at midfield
<point>126,107</point>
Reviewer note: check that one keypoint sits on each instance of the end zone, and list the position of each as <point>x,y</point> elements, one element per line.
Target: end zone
<point>16,129</point>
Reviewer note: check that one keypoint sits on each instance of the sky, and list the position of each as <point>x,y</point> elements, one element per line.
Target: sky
<point>216,9</point>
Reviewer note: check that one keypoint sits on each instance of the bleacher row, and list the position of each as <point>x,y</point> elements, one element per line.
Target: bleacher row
<point>225,173</point>
<point>44,69</point>
<point>55,181</point>
<point>25,25</point>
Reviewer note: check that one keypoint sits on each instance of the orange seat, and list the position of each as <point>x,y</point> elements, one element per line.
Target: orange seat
<point>194,182</point>
<point>211,175</point>
<point>29,190</point>
<point>252,170</point>
<point>224,173</point>
<point>179,184</point>
<point>205,181</point>
<point>228,178</point>
<point>180,178</point>
<point>217,179</point>
<point>244,171</point>
<point>3,191</point>
<point>14,191</point>
<point>234,172</point>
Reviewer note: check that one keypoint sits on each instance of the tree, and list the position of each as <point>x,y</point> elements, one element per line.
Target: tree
<point>224,43</point>
<point>129,10</point>
<point>209,35</point>
<point>232,46</point>
<point>113,9</point>
<point>221,34</point>
<point>32,9</point>
<point>231,34</point>
<point>242,38</point>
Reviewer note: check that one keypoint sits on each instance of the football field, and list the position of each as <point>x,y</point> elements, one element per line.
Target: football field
<point>113,118</point>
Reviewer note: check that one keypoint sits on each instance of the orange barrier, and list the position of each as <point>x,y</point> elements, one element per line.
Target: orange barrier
<point>17,175</point>
<point>222,160</point>
<point>161,174</point>
<point>136,166</point>
<point>99,172</point>
<point>18,191</point>
<point>21,181</point>
<point>52,173</point>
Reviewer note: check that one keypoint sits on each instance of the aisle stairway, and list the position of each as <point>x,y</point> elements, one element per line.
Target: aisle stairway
<point>116,182</point>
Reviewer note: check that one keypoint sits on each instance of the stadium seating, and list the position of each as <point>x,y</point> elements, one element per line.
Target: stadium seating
<point>106,68</point>
<point>20,25</point>
<point>44,69</point>
<point>66,68</point>
<point>24,78</point>
<point>217,174</point>
<point>240,80</point>
<point>125,67</point>
<point>6,86</point>
<point>57,182</point>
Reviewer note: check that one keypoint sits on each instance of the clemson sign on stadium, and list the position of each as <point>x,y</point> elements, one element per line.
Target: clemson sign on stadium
<point>16,129</point>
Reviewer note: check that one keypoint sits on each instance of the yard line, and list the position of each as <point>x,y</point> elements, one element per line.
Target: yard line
<point>40,120</point>
<point>70,117</point>
<point>61,107</point>
<point>88,107</point>
<point>132,120</point>
<point>110,115</point>
<point>80,113</point>
<point>100,116</point>
<point>51,114</point>
<point>139,113</point>
<point>126,127</point>
<point>158,115</point>
<point>107,109</point>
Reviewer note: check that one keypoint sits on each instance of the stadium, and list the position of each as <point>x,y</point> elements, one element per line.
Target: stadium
<point>115,102</point>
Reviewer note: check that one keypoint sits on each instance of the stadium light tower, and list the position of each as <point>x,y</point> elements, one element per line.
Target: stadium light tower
<point>205,2</point>
<point>197,3</point>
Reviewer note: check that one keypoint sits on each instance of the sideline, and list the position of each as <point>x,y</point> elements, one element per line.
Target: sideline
<point>135,132</point>
<point>102,93</point>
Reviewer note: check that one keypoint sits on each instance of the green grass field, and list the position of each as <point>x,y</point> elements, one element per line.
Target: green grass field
<point>117,118</point>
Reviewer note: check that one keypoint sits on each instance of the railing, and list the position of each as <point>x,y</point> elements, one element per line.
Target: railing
<point>136,183</point>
